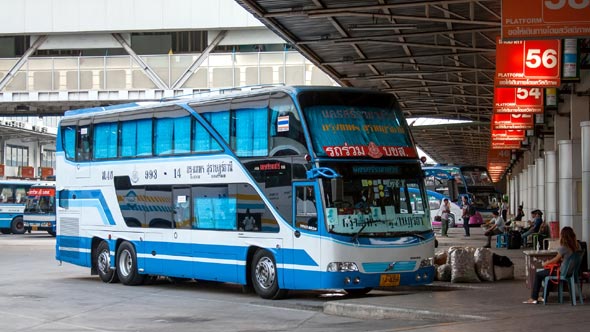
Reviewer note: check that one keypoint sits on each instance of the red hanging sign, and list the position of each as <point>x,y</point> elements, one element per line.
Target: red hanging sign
<point>518,100</point>
<point>512,121</point>
<point>536,19</point>
<point>533,63</point>
<point>505,145</point>
<point>508,134</point>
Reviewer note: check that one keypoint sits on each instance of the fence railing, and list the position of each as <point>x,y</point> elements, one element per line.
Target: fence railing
<point>219,70</point>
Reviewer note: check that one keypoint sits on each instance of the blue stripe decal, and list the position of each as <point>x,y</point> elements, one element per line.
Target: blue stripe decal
<point>89,198</point>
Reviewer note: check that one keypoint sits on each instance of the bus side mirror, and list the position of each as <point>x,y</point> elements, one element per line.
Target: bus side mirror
<point>62,199</point>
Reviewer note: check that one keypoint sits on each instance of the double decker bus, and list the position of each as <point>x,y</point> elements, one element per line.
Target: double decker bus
<point>39,213</point>
<point>12,205</point>
<point>473,181</point>
<point>277,189</point>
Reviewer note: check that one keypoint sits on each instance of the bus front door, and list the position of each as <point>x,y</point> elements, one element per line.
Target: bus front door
<point>306,236</point>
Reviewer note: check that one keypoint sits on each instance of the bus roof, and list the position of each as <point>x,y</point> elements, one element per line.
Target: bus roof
<point>210,96</point>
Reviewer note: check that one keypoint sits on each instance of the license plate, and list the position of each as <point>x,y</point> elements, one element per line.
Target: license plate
<point>388,280</point>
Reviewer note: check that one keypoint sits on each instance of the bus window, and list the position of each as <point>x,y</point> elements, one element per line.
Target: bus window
<point>83,146</point>
<point>286,131</point>
<point>306,213</point>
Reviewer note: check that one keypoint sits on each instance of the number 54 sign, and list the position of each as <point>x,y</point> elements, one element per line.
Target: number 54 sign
<point>534,63</point>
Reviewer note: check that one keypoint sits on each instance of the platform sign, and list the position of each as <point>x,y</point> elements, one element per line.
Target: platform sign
<point>538,19</point>
<point>518,100</point>
<point>513,121</point>
<point>508,134</point>
<point>531,63</point>
<point>499,156</point>
<point>505,145</point>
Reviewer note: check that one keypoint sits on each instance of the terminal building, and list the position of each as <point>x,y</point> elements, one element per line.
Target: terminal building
<point>61,55</point>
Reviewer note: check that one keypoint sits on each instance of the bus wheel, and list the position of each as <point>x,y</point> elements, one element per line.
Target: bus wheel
<point>264,276</point>
<point>17,226</point>
<point>358,291</point>
<point>103,263</point>
<point>452,222</point>
<point>127,265</point>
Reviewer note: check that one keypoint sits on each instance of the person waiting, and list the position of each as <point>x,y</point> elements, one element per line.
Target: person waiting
<point>497,227</point>
<point>567,246</point>
<point>535,227</point>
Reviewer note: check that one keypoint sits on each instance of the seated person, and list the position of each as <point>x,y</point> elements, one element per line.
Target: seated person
<point>497,227</point>
<point>536,225</point>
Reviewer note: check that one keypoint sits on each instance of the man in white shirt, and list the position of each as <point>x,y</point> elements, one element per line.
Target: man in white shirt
<point>496,228</point>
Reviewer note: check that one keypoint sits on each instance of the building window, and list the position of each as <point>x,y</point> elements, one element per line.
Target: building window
<point>48,158</point>
<point>17,155</point>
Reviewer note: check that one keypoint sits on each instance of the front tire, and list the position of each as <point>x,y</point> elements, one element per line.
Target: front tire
<point>452,223</point>
<point>103,263</point>
<point>265,277</point>
<point>17,226</point>
<point>127,265</point>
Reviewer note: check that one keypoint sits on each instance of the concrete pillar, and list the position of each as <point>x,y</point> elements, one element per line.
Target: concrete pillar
<point>531,188</point>
<point>551,187</point>
<point>561,129</point>
<point>513,199</point>
<point>524,191</point>
<point>541,184</point>
<point>585,236</point>
<point>569,183</point>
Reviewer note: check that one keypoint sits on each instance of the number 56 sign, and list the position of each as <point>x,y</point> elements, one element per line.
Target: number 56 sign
<point>534,63</point>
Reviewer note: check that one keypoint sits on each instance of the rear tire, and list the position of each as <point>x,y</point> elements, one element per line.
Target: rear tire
<point>265,277</point>
<point>127,265</point>
<point>103,264</point>
<point>17,226</point>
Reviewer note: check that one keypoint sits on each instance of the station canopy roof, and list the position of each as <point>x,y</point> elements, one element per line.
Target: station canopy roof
<point>437,57</point>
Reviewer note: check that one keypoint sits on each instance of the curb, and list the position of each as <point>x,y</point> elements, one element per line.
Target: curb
<point>374,312</point>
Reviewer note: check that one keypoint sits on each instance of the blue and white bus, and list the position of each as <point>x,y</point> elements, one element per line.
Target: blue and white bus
<point>12,205</point>
<point>473,181</point>
<point>39,213</point>
<point>284,188</point>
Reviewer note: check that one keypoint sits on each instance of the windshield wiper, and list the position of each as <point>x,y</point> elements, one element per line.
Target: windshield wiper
<point>412,234</point>
<point>355,237</point>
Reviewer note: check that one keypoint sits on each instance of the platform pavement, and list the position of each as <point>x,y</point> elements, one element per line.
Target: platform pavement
<point>445,301</point>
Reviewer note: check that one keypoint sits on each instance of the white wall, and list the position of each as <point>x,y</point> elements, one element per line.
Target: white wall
<point>67,16</point>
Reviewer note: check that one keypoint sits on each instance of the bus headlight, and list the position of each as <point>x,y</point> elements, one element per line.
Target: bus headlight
<point>342,267</point>
<point>427,262</point>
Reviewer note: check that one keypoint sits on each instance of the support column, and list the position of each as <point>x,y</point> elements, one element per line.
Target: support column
<point>513,199</point>
<point>551,187</point>
<point>569,183</point>
<point>585,236</point>
<point>524,191</point>
<point>540,163</point>
<point>531,188</point>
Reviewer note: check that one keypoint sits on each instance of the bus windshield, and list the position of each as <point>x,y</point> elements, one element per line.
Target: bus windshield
<point>476,176</point>
<point>40,200</point>
<point>375,200</point>
<point>356,125</point>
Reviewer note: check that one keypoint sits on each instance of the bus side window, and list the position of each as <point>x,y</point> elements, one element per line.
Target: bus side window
<point>306,217</point>
<point>83,146</point>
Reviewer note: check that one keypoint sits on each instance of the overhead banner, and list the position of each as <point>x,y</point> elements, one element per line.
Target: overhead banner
<point>518,100</point>
<point>532,63</point>
<point>538,19</point>
<point>513,121</point>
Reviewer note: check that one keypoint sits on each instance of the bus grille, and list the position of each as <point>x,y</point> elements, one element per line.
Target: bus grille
<point>69,226</point>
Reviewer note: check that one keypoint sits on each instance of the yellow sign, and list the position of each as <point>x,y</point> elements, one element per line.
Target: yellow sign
<point>388,280</point>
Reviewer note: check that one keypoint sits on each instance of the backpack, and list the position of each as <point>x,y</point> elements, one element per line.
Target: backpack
<point>471,211</point>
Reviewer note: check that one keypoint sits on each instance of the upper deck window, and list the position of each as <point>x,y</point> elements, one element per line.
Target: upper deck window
<point>356,125</point>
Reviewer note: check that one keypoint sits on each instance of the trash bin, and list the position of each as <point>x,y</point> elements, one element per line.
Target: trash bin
<point>554,229</point>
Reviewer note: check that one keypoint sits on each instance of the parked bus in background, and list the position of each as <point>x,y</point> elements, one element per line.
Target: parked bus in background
<point>435,205</point>
<point>39,213</point>
<point>12,205</point>
<point>284,188</point>
<point>474,181</point>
